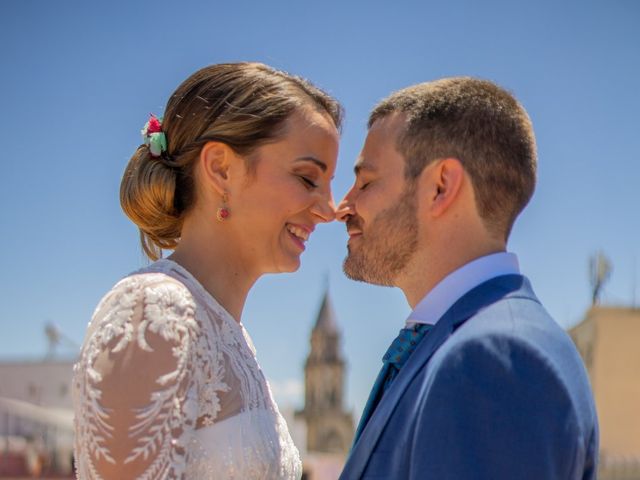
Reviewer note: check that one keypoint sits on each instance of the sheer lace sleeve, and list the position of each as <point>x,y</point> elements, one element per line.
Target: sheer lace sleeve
<point>167,386</point>
<point>136,395</point>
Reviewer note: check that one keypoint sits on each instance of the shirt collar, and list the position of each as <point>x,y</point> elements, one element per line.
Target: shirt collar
<point>436,303</point>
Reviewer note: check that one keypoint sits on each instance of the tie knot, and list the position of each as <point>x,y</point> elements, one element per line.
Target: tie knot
<point>404,344</point>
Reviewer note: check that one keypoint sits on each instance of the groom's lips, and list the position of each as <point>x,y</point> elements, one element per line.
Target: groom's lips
<point>354,227</point>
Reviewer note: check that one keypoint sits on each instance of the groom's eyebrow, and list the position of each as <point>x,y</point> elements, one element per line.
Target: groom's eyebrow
<point>360,166</point>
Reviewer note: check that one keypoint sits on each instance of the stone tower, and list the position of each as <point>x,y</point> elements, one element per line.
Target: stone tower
<point>329,426</point>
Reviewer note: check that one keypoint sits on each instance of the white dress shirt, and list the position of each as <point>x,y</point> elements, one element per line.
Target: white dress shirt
<point>452,287</point>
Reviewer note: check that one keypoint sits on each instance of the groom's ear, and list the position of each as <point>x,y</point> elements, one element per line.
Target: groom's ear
<point>442,181</point>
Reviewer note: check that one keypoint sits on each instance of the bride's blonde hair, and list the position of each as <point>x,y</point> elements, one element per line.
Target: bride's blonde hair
<point>241,104</point>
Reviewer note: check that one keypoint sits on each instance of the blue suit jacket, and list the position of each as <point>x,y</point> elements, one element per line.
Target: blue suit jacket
<point>496,390</point>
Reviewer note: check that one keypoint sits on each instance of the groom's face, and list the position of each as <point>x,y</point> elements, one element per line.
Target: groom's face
<point>380,209</point>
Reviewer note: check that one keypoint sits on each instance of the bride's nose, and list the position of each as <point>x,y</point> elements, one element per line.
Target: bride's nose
<point>325,209</point>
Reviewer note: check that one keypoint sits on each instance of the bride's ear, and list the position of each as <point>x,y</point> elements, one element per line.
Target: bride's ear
<point>217,160</point>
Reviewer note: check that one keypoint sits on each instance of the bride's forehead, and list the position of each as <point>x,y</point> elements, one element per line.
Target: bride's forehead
<point>309,120</point>
<point>305,138</point>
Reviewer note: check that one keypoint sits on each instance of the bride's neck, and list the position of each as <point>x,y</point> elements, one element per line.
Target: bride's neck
<point>218,271</point>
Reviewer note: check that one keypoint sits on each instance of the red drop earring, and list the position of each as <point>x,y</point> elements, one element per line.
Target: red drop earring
<point>223,211</point>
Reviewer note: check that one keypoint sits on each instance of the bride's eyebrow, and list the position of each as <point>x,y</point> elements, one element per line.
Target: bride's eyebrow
<point>319,163</point>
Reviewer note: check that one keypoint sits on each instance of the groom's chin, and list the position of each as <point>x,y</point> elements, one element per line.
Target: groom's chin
<point>361,271</point>
<point>353,269</point>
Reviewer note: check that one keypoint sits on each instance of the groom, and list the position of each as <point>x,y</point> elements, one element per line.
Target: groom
<point>481,383</point>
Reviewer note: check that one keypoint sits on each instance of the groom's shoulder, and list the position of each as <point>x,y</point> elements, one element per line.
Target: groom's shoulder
<point>515,326</point>
<point>511,307</point>
<point>516,318</point>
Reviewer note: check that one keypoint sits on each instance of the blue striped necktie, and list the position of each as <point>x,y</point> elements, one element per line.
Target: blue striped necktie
<point>395,357</point>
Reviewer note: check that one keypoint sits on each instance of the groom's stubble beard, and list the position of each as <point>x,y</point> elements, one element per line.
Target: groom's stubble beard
<point>386,248</point>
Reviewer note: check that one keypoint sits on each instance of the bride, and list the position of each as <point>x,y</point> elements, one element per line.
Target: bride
<point>233,179</point>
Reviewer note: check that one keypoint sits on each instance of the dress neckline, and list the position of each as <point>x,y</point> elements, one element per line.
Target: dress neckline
<point>164,265</point>
<point>173,265</point>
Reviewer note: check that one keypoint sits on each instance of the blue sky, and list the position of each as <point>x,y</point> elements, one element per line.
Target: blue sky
<point>79,80</point>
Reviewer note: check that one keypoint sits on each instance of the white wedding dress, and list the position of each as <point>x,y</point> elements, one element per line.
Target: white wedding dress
<point>168,387</point>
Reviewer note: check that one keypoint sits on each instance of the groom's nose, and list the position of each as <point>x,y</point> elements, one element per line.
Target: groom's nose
<point>345,209</point>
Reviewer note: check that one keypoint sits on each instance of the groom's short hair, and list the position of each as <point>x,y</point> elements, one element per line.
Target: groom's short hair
<point>480,124</point>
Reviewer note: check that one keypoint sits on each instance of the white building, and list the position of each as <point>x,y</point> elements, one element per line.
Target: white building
<point>36,417</point>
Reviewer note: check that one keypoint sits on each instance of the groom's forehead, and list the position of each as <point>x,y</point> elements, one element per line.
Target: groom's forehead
<point>388,126</point>
<point>380,146</point>
<point>384,133</point>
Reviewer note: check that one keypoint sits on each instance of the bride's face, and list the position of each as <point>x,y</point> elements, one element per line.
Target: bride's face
<point>278,206</point>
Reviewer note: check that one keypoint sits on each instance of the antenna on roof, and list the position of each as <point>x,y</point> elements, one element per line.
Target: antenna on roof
<point>634,285</point>
<point>55,337</point>
<point>600,269</point>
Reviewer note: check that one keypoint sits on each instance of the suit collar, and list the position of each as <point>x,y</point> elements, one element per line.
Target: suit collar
<point>475,300</point>
<point>461,281</point>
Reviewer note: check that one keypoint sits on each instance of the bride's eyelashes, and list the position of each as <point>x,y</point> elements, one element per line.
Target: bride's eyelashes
<point>308,182</point>
<point>308,177</point>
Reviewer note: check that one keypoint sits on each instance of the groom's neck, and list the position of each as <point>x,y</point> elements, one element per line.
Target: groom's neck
<point>429,266</point>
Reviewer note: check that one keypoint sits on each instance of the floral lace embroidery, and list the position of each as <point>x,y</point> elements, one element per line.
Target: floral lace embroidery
<point>169,311</point>
<point>206,345</point>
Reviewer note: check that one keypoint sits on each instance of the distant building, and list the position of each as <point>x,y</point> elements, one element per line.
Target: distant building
<point>36,417</point>
<point>329,428</point>
<point>608,340</point>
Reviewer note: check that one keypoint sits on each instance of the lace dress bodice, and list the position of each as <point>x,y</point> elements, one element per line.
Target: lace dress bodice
<point>168,387</point>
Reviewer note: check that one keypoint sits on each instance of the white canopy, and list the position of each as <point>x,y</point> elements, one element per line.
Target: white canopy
<point>55,417</point>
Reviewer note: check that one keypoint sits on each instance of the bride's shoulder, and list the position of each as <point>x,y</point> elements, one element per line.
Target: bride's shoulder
<point>146,299</point>
<point>143,340</point>
<point>148,287</point>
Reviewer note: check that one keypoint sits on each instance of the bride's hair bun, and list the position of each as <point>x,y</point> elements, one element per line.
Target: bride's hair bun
<point>147,196</point>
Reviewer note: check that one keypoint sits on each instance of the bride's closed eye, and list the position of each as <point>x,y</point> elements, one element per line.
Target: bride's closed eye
<point>308,182</point>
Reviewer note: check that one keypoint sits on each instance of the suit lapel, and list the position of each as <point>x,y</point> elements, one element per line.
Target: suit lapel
<point>467,306</point>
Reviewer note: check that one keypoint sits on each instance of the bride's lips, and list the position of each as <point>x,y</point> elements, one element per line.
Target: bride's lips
<point>299,234</point>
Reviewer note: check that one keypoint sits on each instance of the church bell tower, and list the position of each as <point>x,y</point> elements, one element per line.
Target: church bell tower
<point>329,426</point>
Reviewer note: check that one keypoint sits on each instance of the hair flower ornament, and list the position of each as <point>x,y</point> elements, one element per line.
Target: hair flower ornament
<point>154,137</point>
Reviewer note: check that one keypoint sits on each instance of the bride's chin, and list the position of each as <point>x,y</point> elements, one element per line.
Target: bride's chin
<point>289,259</point>
<point>290,265</point>
<point>283,266</point>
